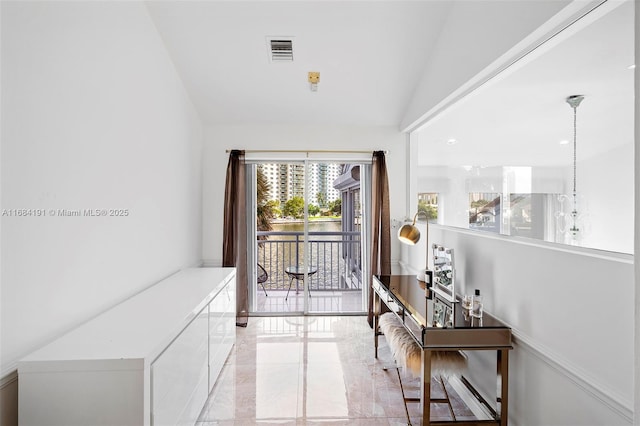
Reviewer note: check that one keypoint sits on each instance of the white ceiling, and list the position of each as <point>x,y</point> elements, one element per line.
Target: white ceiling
<point>520,117</point>
<point>370,55</point>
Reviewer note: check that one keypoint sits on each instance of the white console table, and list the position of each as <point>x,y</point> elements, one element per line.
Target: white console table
<point>151,360</point>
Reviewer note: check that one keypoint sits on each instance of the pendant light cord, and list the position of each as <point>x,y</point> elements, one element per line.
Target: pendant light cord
<point>575,115</point>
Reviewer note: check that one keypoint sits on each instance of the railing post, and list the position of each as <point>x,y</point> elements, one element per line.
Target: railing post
<point>342,258</point>
<point>297,249</point>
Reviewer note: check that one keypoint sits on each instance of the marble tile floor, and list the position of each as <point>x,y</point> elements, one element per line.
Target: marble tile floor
<point>313,370</point>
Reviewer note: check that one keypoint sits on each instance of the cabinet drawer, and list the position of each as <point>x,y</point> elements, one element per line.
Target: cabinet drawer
<point>221,339</point>
<point>180,369</point>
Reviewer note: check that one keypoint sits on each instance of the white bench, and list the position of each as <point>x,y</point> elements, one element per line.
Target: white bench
<point>408,356</point>
<point>407,353</point>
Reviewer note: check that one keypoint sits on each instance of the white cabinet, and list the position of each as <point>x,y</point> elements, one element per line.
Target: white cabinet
<point>179,377</point>
<point>151,360</point>
<point>222,334</point>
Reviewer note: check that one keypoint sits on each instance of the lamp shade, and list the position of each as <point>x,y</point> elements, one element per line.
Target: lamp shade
<point>409,234</point>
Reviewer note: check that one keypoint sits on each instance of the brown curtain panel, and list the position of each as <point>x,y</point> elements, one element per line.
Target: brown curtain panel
<point>234,242</point>
<point>380,224</point>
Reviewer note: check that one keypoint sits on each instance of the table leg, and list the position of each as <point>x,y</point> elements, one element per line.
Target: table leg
<point>376,315</point>
<point>503,386</point>
<point>425,387</point>
<point>290,282</point>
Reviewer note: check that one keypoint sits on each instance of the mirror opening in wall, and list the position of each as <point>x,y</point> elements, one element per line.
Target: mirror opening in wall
<point>428,203</point>
<point>484,211</point>
<point>545,149</point>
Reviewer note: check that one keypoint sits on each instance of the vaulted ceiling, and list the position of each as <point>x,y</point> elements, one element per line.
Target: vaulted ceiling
<point>521,117</point>
<point>370,55</point>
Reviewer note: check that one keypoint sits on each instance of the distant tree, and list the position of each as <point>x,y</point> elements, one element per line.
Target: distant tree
<point>264,210</point>
<point>274,205</point>
<point>336,207</point>
<point>294,207</point>
<point>313,210</point>
<point>430,210</point>
<point>479,203</point>
<point>321,198</point>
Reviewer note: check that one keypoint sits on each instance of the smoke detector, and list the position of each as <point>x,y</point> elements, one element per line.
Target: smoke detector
<point>280,48</point>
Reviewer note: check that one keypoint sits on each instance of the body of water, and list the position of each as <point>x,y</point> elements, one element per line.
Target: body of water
<point>298,226</point>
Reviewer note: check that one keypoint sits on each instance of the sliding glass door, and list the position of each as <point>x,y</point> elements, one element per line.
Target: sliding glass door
<point>307,240</point>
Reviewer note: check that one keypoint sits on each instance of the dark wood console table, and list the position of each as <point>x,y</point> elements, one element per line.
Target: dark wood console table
<point>414,307</point>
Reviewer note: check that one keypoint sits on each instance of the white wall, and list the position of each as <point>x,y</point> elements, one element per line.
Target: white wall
<point>609,209</point>
<point>283,137</point>
<point>572,315</point>
<point>636,232</point>
<point>94,116</point>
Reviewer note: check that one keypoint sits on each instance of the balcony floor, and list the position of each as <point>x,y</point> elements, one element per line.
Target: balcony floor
<point>321,301</point>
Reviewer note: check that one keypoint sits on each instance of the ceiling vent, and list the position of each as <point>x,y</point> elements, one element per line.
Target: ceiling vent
<point>280,49</point>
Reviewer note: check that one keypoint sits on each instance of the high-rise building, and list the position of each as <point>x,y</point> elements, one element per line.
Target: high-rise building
<point>287,181</point>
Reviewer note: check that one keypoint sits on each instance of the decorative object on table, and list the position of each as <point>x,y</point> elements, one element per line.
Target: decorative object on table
<point>467,301</point>
<point>444,276</point>
<point>410,235</point>
<point>476,305</point>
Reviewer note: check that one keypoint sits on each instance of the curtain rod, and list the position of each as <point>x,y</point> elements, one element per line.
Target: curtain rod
<point>309,151</point>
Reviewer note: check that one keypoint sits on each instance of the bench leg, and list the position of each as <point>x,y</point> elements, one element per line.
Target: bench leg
<point>404,398</point>
<point>425,387</point>
<point>448,399</point>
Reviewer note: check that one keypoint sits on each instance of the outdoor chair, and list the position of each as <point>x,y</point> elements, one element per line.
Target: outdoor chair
<point>262,277</point>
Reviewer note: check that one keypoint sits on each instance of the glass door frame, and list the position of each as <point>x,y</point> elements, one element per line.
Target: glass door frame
<point>365,195</point>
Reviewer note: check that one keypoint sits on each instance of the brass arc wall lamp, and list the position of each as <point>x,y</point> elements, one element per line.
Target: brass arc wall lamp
<point>410,235</point>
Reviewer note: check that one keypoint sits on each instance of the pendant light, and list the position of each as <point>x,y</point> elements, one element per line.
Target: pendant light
<point>574,102</point>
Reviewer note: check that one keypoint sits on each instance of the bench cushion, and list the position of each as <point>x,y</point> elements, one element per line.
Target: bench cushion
<point>407,353</point>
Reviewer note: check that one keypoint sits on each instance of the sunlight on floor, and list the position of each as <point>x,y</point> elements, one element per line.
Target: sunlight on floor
<point>310,370</point>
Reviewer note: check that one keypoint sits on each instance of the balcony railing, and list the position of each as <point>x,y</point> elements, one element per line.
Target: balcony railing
<point>336,255</point>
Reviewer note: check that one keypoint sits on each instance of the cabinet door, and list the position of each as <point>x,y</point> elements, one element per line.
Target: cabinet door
<point>179,376</point>
<point>217,333</point>
<point>222,330</point>
<point>229,319</point>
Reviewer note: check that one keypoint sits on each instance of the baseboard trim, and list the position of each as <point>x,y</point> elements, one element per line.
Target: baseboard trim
<point>606,396</point>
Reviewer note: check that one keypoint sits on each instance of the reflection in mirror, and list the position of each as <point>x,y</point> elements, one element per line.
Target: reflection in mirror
<point>444,272</point>
<point>443,314</point>
<point>502,159</point>
<point>484,211</point>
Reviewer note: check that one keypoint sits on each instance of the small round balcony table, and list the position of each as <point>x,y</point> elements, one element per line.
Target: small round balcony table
<point>297,273</point>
